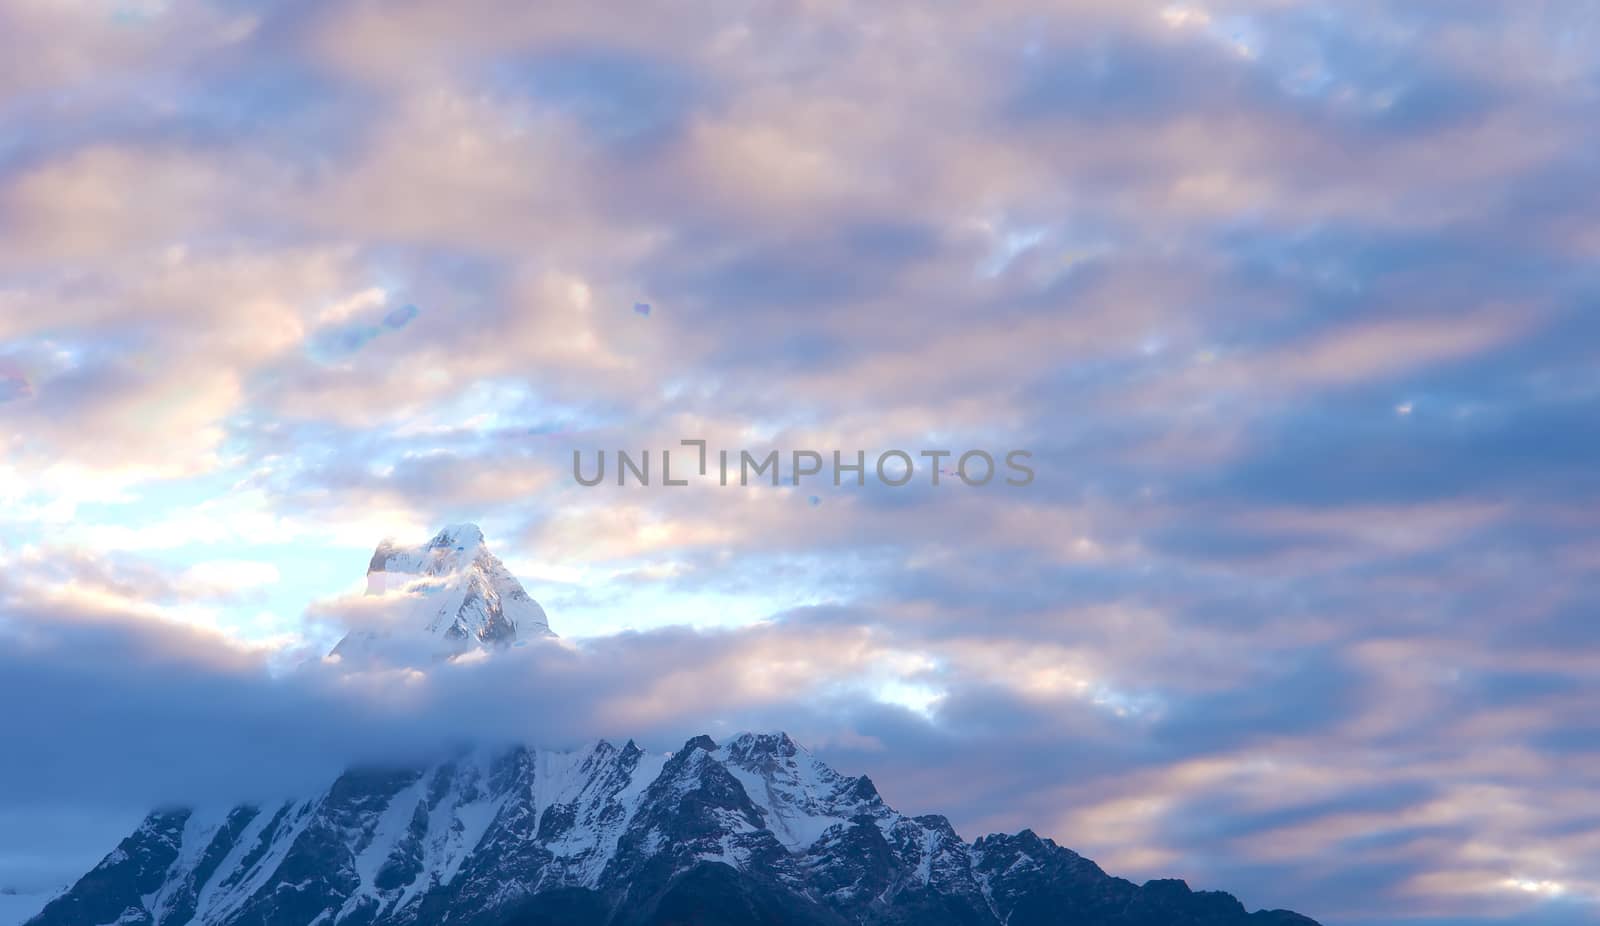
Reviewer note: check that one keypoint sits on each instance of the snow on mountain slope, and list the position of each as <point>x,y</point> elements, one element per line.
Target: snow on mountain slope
<point>799,797</point>
<point>482,834</point>
<point>451,591</point>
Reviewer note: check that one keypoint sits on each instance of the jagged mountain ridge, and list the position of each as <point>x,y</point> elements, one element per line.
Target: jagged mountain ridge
<point>754,831</point>
<point>451,591</point>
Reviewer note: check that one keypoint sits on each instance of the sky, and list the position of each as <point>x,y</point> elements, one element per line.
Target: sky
<point>1293,305</point>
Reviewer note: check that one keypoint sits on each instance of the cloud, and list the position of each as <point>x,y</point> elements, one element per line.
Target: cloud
<point>283,281</point>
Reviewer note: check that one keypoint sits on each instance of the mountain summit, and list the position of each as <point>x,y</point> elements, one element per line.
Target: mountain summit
<point>453,591</point>
<point>753,832</point>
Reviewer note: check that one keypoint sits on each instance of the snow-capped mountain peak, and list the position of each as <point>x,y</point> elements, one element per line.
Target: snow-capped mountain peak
<point>756,830</point>
<point>453,590</point>
<point>453,549</point>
